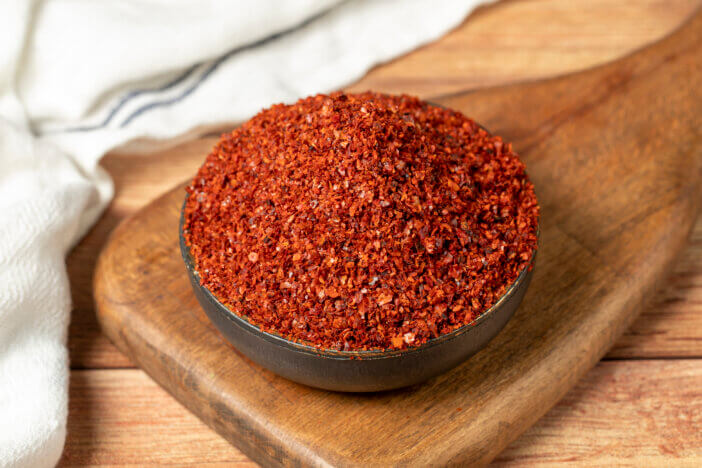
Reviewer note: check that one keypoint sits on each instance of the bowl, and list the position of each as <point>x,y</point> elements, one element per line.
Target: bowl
<point>356,371</point>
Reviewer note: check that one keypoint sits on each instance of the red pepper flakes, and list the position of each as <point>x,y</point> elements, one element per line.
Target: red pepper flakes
<point>360,221</point>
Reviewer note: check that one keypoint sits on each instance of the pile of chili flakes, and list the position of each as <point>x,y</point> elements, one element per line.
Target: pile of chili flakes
<point>360,221</point>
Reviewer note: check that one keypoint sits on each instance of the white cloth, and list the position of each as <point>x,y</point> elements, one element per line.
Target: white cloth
<point>78,77</point>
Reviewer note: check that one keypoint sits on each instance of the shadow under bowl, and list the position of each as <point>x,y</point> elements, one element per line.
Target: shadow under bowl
<point>356,371</point>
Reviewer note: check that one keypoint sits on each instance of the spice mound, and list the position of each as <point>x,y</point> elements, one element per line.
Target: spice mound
<point>360,221</point>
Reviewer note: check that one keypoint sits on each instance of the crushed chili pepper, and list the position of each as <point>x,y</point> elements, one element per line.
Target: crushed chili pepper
<point>360,221</point>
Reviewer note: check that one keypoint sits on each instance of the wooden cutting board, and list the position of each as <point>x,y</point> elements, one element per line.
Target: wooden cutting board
<point>616,156</point>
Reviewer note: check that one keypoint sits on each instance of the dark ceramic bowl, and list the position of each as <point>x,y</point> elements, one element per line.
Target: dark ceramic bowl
<point>356,371</point>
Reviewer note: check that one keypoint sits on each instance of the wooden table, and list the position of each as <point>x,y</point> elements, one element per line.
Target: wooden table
<point>641,405</point>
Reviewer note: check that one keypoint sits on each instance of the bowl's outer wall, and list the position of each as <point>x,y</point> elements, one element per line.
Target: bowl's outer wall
<point>398,369</point>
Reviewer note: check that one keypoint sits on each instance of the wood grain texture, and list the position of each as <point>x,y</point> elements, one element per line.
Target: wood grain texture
<point>629,413</point>
<point>625,413</point>
<point>672,325</point>
<point>138,179</point>
<point>107,425</point>
<point>514,41</point>
<point>505,42</point>
<point>593,142</point>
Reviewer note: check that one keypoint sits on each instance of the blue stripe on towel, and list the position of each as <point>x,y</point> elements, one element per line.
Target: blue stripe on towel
<point>184,76</point>
<point>131,95</point>
<point>208,72</point>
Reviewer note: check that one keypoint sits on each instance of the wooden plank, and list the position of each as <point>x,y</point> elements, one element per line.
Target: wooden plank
<point>138,179</point>
<point>625,413</point>
<point>506,42</point>
<point>593,142</point>
<point>121,417</point>
<point>672,325</point>
<point>513,41</point>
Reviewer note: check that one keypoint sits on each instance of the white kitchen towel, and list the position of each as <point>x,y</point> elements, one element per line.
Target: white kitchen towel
<point>78,77</point>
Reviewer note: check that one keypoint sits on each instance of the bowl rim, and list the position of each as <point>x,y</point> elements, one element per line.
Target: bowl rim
<point>244,323</point>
